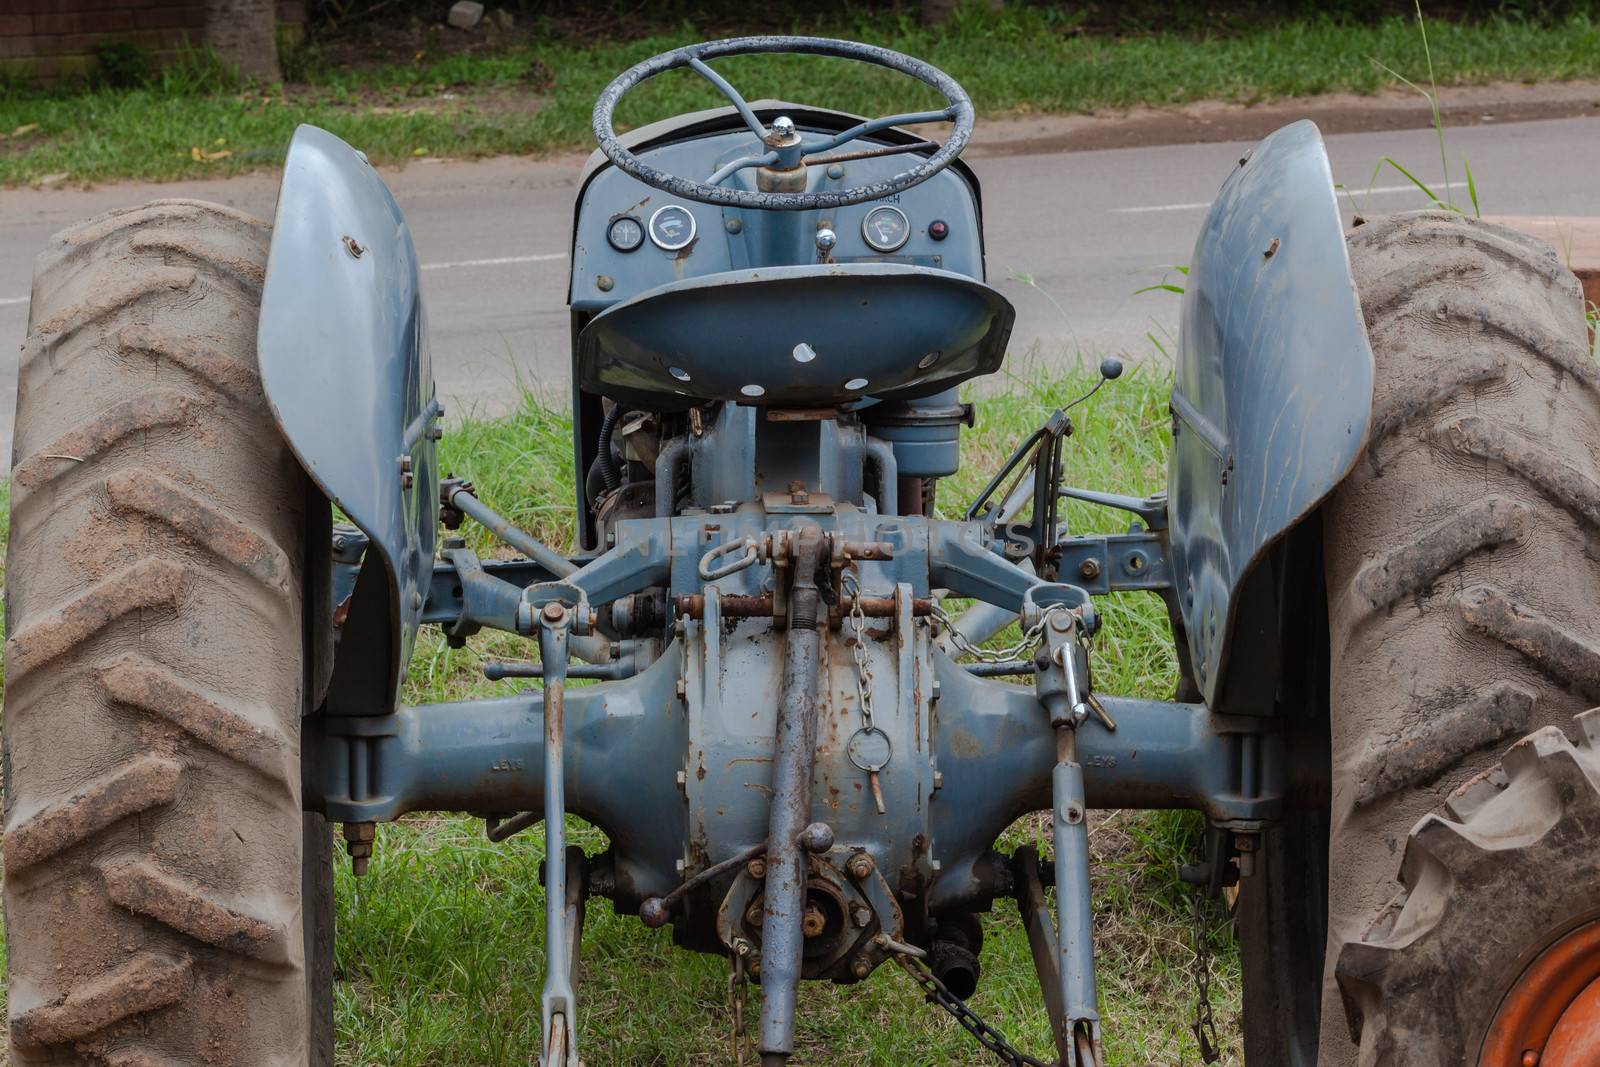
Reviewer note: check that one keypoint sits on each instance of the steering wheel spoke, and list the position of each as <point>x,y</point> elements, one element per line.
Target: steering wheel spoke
<point>726,88</point>
<point>865,129</point>
<point>728,170</point>
<point>783,148</point>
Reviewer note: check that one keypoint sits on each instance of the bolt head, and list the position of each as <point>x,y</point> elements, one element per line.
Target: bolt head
<point>554,612</point>
<point>860,865</point>
<point>817,837</point>
<point>861,967</point>
<point>756,868</point>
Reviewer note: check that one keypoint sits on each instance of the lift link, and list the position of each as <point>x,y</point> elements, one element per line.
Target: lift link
<point>1061,663</point>
<point>783,902</point>
<point>558,1003</point>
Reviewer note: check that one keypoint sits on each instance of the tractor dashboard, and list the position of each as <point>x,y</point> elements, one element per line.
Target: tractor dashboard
<point>630,238</point>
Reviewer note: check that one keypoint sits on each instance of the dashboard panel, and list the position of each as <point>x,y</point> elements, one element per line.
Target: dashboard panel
<point>631,237</point>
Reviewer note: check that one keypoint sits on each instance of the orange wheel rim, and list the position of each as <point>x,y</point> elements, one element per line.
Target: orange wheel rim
<point>1551,1016</point>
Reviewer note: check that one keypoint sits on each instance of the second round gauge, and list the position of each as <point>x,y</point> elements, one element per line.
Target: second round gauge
<point>885,228</point>
<point>672,227</point>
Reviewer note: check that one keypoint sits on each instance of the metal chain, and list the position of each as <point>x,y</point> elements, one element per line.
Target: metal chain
<point>1030,637</point>
<point>1204,1027</point>
<point>858,622</point>
<point>938,994</point>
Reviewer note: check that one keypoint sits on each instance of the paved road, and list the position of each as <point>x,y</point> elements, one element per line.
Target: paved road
<point>1071,236</point>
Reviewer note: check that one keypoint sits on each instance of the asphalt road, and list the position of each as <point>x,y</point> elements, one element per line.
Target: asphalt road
<point>1071,237</point>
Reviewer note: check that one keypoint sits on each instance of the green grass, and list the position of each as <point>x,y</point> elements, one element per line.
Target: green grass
<point>536,98</point>
<point>439,951</point>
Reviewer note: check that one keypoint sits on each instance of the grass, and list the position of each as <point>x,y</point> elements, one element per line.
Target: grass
<point>439,951</point>
<point>439,954</point>
<point>535,96</point>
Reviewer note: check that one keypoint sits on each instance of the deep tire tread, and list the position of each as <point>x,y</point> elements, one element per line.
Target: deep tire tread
<point>1461,598</point>
<point>154,664</point>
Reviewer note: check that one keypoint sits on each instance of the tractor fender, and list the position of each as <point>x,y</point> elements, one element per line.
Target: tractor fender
<point>1271,400</point>
<point>344,361</point>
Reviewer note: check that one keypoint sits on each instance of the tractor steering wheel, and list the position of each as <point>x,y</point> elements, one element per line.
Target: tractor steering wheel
<point>783,148</point>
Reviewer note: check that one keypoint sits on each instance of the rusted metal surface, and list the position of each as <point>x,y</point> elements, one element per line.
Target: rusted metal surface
<point>872,153</point>
<point>1551,1016</point>
<point>657,911</point>
<point>693,606</point>
<point>795,750</point>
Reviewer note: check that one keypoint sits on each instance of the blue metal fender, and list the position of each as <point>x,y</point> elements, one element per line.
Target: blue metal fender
<point>344,361</point>
<point>1273,391</point>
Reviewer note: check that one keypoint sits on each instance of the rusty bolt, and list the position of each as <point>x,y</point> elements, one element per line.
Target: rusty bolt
<point>861,915</point>
<point>752,914</point>
<point>359,838</point>
<point>753,966</point>
<point>554,612</point>
<point>817,837</point>
<point>861,967</point>
<point>814,921</point>
<point>1089,569</point>
<point>860,866</point>
<point>756,868</point>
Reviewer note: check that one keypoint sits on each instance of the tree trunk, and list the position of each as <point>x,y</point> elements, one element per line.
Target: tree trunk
<point>244,33</point>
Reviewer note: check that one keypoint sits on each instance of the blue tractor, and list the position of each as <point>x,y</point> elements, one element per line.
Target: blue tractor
<point>1377,549</point>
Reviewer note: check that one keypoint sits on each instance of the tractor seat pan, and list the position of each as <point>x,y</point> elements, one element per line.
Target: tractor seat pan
<point>808,336</point>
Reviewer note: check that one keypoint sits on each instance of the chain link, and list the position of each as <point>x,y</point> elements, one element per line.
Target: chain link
<point>1204,1027</point>
<point>858,622</point>
<point>1030,637</point>
<point>939,994</point>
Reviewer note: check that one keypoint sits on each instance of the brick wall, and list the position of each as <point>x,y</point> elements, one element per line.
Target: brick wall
<point>54,39</point>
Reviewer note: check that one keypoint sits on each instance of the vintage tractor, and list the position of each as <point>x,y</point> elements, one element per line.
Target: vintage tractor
<point>1377,548</point>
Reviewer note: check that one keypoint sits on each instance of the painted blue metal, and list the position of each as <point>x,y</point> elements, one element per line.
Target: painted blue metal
<point>884,330</point>
<point>1273,391</point>
<point>978,753</point>
<point>345,365</point>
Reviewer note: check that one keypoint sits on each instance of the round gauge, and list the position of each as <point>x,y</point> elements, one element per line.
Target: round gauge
<point>672,227</point>
<point>885,228</point>
<point>625,233</point>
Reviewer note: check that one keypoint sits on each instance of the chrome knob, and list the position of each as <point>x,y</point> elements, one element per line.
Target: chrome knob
<point>783,126</point>
<point>826,239</point>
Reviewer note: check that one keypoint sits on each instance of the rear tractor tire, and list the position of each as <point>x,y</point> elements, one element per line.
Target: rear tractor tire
<point>159,874</point>
<point>1463,581</point>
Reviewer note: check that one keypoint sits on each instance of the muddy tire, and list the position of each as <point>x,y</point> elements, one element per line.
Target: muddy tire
<point>154,667</point>
<point>1462,580</point>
